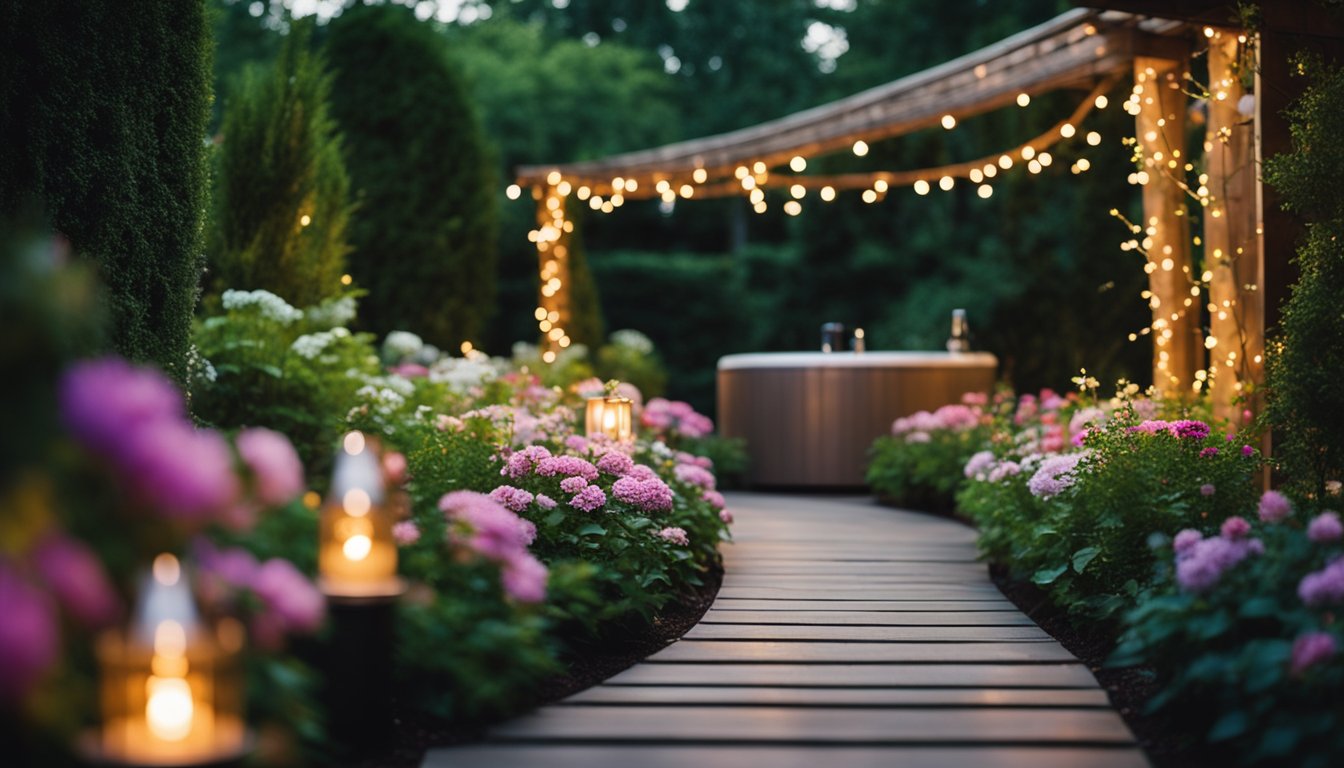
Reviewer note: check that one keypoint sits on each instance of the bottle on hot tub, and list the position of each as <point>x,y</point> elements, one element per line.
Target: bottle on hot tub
<point>960,340</point>
<point>832,337</point>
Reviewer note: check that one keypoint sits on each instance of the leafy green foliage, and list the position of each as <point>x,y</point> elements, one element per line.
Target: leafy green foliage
<point>281,203</point>
<point>1306,357</point>
<point>922,475</point>
<point>424,180</point>
<point>1224,657</point>
<point>102,110</point>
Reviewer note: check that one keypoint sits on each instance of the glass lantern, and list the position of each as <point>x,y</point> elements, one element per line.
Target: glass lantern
<point>357,555</point>
<point>610,415</point>
<point>171,684</point>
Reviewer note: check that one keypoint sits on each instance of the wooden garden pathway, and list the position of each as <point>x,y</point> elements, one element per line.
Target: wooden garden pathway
<point>845,634</point>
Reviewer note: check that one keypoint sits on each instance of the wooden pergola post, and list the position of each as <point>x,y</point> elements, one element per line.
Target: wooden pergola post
<point>1177,346</point>
<point>1231,239</point>
<point>552,237</point>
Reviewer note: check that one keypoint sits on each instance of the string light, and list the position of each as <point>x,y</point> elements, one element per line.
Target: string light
<point>949,122</point>
<point>860,148</point>
<point>1023,99</point>
<point>798,164</point>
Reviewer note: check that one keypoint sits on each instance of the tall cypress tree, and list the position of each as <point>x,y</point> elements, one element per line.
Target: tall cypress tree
<point>424,231</point>
<point>103,107</point>
<point>281,189</point>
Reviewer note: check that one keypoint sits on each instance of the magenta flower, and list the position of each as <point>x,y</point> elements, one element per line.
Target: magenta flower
<point>1185,540</point>
<point>29,636</point>
<point>545,502</point>
<point>577,443</point>
<point>496,533</point>
<point>277,472</point>
<point>102,401</point>
<point>1323,587</point>
<point>1325,528</point>
<point>406,532</point>
<point>1207,489</point>
<point>512,498</point>
<point>521,463</point>
<point>77,578</point>
<point>589,498</point>
<point>1235,528</point>
<point>1274,507</point>
<point>615,463</point>
<point>1212,450</point>
<point>726,516</point>
<point>651,495</point>
<point>567,465</point>
<point>1311,649</point>
<point>1055,474</point>
<point>714,498</point>
<point>979,463</point>
<point>524,578</point>
<point>694,475</point>
<point>1201,566</point>
<point>290,595</point>
<point>1190,429</point>
<point>674,535</point>
<point>183,472</point>
<point>1247,450</point>
<point>573,484</point>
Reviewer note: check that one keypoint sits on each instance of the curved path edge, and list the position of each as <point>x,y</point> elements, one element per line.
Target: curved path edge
<point>845,634</point>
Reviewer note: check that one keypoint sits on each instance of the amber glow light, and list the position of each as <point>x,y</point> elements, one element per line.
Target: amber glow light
<point>610,415</point>
<point>357,556</point>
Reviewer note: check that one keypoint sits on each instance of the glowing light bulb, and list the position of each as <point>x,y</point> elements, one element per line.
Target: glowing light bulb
<point>828,193</point>
<point>1023,99</point>
<point>798,164</point>
<point>357,547</point>
<point>860,148</point>
<point>921,187</point>
<point>513,192</point>
<point>949,122</point>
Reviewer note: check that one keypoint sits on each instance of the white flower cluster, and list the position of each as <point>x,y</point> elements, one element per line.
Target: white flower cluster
<point>385,394</point>
<point>199,366</point>
<point>632,339</point>
<point>461,374</point>
<point>267,304</point>
<point>311,345</point>
<point>332,312</point>
<point>400,345</point>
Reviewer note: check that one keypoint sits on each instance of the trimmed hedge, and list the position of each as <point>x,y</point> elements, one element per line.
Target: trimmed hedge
<point>103,108</point>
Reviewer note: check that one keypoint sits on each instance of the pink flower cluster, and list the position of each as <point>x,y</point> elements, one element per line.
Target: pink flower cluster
<point>676,417</point>
<point>289,601</point>
<point>692,474</point>
<point>588,498</point>
<point>615,463</point>
<point>1323,587</point>
<point>1274,507</point>
<point>406,532</point>
<point>674,535</point>
<point>954,418</point>
<point>134,419</point>
<point>1312,648</point>
<point>1325,528</point>
<point>570,466</point>
<point>499,535</point>
<point>1055,474</point>
<point>1185,428</point>
<point>515,499</point>
<point>644,491</point>
<point>1201,562</point>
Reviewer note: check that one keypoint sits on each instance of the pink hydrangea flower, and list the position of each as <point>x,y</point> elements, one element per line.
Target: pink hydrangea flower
<point>567,465</point>
<point>918,437</point>
<point>642,472</point>
<point>651,495</point>
<point>1190,429</point>
<point>589,498</point>
<point>674,535</point>
<point>496,533</point>
<point>1207,489</point>
<point>1203,564</point>
<point>694,475</point>
<point>103,401</point>
<point>545,502</point>
<point>1055,474</point>
<point>704,462</point>
<point>512,498</point>
<point>77,578</point>
<point>1211,451</point>
<point>277,473</point>
<point>1310,649</point>
<point>1274,507</point>
<point>29,636</point>
<point>524,578</point>
<point>714,498</point>
<point>185,473</point>
<point>978,464</point>
<point>577,443</point>
<point>289,593</point>
<point>521,463</point>
<point>1235,528</point>
<point>406,532</point>
<point>1003,470</point>
<point>1325,528</point>
<point>1185,540</point>
<point>1247,450</point>
<point>394,467</point>
<point>726,516</point>
<point>615,463</point>
<point>975,398</point>
<point>573,484</point>
<point>1323,587</point>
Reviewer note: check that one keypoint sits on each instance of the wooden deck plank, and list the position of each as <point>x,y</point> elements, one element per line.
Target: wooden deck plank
<point>1067,675</point>
<point>850,633</point>
<point>777,604</point>
<point>816,725</point>
<point>766,651</point>
<point>724,695</point>
<point>1003,618</point>
<point>679,756</point>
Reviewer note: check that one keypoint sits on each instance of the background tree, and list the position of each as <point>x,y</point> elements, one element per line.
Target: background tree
<point>425,229</point>
<point>103,108</point>
<point>281,206</point>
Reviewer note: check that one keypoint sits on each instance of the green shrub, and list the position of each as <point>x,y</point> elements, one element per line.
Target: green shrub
<point>103,107</point>
<point>1305,373</point>
<point>281,203</point>
<point>920,464</point>
<point>424,231</point>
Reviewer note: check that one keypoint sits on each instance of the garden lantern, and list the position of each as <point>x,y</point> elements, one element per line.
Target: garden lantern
<point>610,415</point>
<point>960,338</point>
<point>171,688</point>
<point>357,556</point>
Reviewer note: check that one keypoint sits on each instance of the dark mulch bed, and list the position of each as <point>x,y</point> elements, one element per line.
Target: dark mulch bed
<point>620,649</point>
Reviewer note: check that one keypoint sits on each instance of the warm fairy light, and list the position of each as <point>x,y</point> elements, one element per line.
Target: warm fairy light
<point>798,164</point>
<point>564,188</point>
<point>1208,32</point>
<point>353,443</point>
<point>1028,152</point>
<point>760,207</point>
<point>305,220</point>
<point>548,356</point>
<point>793,208</point>
<point>869,196</point>
<point>1093,138</point>
<point>1045,159</point>
<point>984,191</point>
<point>699,175</point>
<point>949,122</point>
<point>346,279</point>
<point>583,193</point>
<point>742,172</point>
<point>513,192</point>
<point>827,193</point>
<point>553,178</point>
<point>1084,164</point>
<point>976,175</point>
<point>1023,99</point>
<point>758,167</point>
<point>1067,130</point>
<point>880,186</point>
<point>1005,162</point>
<point>945,183</point>
<point>798,191</point>
<point>991,170</point>
<point>1102,101</point>
<point>1034,166</point>
<point>921,187</point>
<point>860,148</point>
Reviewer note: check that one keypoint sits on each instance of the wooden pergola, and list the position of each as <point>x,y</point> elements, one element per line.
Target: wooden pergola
<point>1087,51</point>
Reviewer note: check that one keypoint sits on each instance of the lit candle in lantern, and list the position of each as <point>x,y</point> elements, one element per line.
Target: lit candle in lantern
<point>171,687</point>
<point>610,415</point>
<point>357,556</point>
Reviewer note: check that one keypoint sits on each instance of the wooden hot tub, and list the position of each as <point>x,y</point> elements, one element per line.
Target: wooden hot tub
<point>810,417</point>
